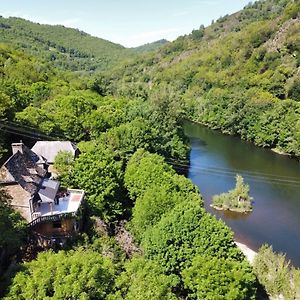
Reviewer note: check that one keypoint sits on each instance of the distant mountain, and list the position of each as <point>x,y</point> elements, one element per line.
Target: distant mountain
<point>66,48</point>
<point>151,46</point>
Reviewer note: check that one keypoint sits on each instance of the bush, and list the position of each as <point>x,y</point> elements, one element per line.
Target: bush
<point>80,274</point>
<point>218,278</point>
<point>144,279</point>
<point>276,274</point>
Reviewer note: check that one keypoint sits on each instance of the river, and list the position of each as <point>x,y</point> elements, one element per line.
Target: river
<point>274,182</point>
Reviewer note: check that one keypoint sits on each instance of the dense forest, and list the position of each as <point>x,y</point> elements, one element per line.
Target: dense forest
<point>78,52</point>
<point>125,109</point>
<point>116,174</point>
<point>240,75</point>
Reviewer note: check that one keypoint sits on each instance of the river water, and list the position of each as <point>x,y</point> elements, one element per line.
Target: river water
<point>274,182</point>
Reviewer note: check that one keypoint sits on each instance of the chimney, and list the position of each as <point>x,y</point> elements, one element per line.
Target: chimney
<point>17,147</point>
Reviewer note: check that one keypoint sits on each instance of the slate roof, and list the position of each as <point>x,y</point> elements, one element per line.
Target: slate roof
<point>48,190</point>
<point>49,149</point>
<point>22,168</point>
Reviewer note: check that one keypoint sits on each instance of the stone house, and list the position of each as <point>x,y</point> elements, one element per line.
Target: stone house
<point>51,212</point>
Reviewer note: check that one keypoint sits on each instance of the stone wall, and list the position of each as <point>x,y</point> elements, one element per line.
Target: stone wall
<point>20,200</point>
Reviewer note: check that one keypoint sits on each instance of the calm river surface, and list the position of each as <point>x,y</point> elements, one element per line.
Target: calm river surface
<point>274,184</point>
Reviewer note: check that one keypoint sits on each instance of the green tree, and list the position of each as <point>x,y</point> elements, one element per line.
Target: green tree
<point>145,169</point>
<point>159,199</point>
<point>100,175</point>
<point>70,113</point>
<point>6,105</point>
<point>144,279</point>
<point>296,283</point>
<point>217,278</point>
<point>128,137</point>
<point>198,34</point>
<point>12,228</point>
<point>187,230</point>
<point>64,164</point>
<point>294,89</point>
<point>276,274</point>
<point>76,274</point>
<point>155,188</point>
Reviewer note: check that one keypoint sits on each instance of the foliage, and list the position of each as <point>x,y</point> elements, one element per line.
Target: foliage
<point>159,199</point>
<point>144,279</point>
<point>151,46</point>
<point>145,169</point>
<point>218,278</point>
<point>276,274</point>
<point>80,274</point>
<point>294,89</point>
<point>100,175</point>
<point>237,199</point>
<point>63,164</point>
<point>12,227</point>
<point>63,47</point>
<point>185,231</point>
<point>173,227</point>
<point>156,189</point>
<point>198,34</point>
<point>128,137</point>
<point>238,75</point>
<point>99,241</point>
<point>70,113</point>
<point>63,115</point>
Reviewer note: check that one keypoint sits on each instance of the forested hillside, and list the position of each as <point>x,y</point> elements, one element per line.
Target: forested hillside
<point>239,75</point>
<point>150,46</point>
<point>66,48</point>
<point>123,143</point>
<point>26,83</point>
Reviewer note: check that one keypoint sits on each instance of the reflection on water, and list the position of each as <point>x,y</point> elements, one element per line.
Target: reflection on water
<point>274,182</point>
<point>232,215</point>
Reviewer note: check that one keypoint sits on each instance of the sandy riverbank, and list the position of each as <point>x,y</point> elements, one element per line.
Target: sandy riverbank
<point>249,253</point>
<point>278,151</point>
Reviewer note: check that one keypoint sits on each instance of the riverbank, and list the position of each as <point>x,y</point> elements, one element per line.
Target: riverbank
<point>249,253</point>
<point>278,151</point>
<point>275,149</point>
<point>234,209</point>
<point>214,161</point>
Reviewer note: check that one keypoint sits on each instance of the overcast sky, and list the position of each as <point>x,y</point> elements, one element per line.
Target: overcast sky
<point>127,22</point>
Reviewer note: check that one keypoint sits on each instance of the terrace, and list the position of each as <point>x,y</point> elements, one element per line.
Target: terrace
<point>64,203</point>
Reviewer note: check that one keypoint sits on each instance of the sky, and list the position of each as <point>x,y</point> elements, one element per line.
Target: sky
<point>127,22</point>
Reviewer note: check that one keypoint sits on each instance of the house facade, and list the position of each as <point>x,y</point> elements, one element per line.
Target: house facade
<point>52,212</point>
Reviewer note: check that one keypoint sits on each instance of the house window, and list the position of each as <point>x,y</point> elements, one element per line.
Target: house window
<point>57,224</point>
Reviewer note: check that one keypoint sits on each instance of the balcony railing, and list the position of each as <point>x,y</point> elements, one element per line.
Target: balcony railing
<point>51,218</point>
